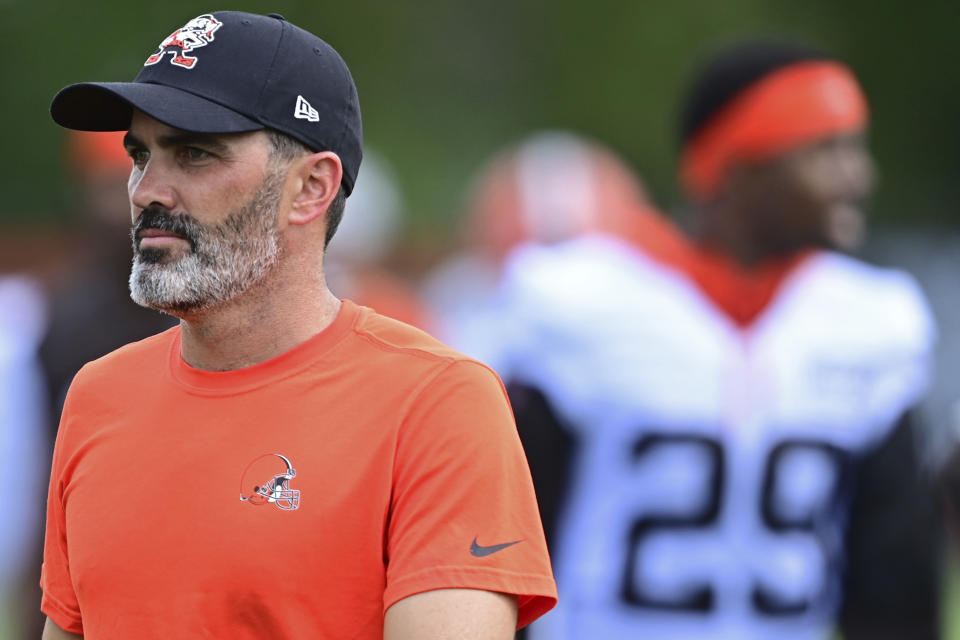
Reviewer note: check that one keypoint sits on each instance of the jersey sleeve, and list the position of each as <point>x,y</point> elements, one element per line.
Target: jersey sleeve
<point>59,601</point>
<point>904,349</point>
<point>463,511</point>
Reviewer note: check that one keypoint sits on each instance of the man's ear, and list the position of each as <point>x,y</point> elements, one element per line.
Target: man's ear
<point>318,181</point>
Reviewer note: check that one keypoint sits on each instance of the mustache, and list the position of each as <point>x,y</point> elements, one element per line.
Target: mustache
<point>155,217</point>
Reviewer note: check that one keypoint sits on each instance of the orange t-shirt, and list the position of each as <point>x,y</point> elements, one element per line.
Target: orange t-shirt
<point>297,498</point>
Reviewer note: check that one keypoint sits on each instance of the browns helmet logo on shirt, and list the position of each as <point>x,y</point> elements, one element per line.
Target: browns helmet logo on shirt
<point>267,480</point>
<point>193,35</point>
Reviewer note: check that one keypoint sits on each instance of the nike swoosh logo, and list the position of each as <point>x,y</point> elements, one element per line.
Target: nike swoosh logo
<point>481,551</point>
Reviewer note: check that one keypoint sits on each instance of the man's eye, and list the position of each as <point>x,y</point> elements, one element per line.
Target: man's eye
<point>139,156</point>
<point>193,154</point>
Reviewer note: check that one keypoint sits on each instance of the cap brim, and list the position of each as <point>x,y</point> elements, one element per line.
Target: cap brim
<point>108,106</point>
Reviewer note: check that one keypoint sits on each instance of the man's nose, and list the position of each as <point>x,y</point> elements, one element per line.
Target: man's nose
<point>152,185</point>
<point>856,169</point>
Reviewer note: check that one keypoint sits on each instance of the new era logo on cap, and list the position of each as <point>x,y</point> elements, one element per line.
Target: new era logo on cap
<point>305,111</point>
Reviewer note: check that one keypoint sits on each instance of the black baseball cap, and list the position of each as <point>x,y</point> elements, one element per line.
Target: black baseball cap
<point>231,71</point>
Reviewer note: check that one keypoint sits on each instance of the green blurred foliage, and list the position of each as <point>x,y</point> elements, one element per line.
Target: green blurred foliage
<point>444,83</point>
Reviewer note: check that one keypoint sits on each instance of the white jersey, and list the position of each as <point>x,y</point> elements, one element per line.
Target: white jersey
<point>709,488</point>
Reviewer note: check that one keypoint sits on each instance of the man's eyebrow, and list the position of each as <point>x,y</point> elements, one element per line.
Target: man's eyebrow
<point>130,140</point>
<point>211,141</point>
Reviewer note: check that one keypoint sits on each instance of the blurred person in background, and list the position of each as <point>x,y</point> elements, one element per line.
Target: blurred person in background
<point>24,451</point>
<point>725,430</point>
<point>91,310</point>
<point>358,265</point>
<point>544,189</point>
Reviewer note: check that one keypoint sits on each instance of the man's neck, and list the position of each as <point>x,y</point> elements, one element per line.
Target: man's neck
<point>259,325</point>
<point>723,231</point>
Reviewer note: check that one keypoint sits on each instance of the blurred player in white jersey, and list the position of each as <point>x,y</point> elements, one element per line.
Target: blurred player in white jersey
<point>544,189</point>
<point>721,434</point>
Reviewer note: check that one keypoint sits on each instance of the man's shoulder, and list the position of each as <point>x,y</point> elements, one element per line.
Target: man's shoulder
<point>593,269</point>
<point>872,279</point>
<point>881,297</point>
<point>402,356</point>
<point>597,250</point>
<point>131,359</point>
<point>870,317</point>
<point>394,338</point>
<point>576,288</point>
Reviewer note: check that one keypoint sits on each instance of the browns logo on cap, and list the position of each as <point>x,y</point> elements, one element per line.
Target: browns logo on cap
<point>196,33</point>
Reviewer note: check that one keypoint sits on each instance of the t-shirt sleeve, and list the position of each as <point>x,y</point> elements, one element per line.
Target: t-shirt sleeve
<point>463,511</point>
<point>59,600</point>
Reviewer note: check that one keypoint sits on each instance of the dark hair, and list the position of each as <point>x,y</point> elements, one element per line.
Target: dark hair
<point>335,214</point>
<point>730,71</point>
<point>286,148</point>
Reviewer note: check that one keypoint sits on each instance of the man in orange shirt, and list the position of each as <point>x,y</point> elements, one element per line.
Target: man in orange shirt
<point>284,463</point>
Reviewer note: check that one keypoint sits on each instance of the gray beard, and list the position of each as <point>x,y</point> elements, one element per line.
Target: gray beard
<point>225,260</point>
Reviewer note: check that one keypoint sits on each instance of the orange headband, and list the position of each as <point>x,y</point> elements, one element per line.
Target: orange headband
<point>798,104</point>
